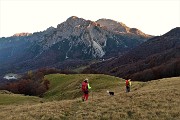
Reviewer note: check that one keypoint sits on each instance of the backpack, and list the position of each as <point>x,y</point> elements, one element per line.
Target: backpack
<point>84,86</point>
<point>127,83</point>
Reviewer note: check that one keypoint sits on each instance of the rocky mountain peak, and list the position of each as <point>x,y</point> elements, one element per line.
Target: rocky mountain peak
<point>120,27</point>
<point>74,18</point>
<point>50,28</point>
<point>93,36</point>
<point>22,34</point>
<point>73,26</point>
<point>73,21</point>
<point>113,25</point>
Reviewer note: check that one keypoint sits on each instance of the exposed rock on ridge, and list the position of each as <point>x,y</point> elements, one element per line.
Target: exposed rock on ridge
<point>21,34</point>
<point>93,36</point>
<point>120,27</point>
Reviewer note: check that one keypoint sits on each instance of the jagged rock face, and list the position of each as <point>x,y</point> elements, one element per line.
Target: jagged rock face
<point>92,37</point>
<point>120,27</point>
<point>113,25</point>
<point>73,26</point>
<point>78,31</point>
<point>74,39</point>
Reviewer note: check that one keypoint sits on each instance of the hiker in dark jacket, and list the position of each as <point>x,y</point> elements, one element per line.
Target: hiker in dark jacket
<point>85,89</point>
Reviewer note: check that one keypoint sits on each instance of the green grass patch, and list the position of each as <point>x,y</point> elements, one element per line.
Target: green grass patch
<point>6,99</point>
<point>69,86</point>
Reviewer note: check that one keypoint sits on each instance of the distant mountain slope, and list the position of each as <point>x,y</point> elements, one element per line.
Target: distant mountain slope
<point>75,39</point>
<point>13,48</point>
<point>157,58</point>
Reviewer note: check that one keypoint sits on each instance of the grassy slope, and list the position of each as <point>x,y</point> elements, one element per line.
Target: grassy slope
<point>6,99</point>
<point>151,100</point>
<point>69,86</point>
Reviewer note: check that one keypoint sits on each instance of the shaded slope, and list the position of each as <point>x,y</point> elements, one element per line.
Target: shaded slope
<point>157,56</point>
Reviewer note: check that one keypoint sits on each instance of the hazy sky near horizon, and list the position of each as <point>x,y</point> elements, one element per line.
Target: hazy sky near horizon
<point>153,17</point>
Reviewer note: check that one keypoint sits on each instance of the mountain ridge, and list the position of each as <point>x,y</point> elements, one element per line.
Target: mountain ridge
<point>74,39</point>
<point>120,27</point>
<point>156,58</point>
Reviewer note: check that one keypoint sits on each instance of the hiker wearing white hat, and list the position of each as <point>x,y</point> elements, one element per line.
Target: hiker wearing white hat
<point>85,89</point>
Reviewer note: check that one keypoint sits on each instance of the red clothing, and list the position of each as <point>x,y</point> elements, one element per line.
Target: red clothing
<point>85,90</point>
<point>85,96</point>
<point>127,83</point>
<point>127,86</point>
<point>84,86</point>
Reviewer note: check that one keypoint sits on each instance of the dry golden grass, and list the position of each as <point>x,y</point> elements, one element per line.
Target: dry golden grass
<point>154,100</point>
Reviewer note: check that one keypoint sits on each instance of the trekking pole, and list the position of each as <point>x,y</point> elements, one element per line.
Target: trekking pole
<point>92,96</point>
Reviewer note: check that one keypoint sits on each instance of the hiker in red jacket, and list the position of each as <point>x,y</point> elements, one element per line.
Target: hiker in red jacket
<point>85,88</point>
<point>128,85</point>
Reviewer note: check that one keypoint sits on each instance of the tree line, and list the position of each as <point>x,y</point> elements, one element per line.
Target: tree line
<point>32,83</point>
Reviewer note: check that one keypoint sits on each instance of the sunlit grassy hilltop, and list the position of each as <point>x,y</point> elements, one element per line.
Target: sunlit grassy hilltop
<point>155,100</point>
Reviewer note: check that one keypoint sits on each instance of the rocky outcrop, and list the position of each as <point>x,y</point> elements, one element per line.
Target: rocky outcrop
<point>113,25</point>
<point>120,27</point>
<point>93,36</point>
<point>21,34</point>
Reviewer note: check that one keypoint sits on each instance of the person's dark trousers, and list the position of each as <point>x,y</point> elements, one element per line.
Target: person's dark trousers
<point>127,88</point>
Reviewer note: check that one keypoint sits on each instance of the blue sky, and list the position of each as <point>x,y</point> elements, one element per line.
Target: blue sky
<point>154,17</point>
